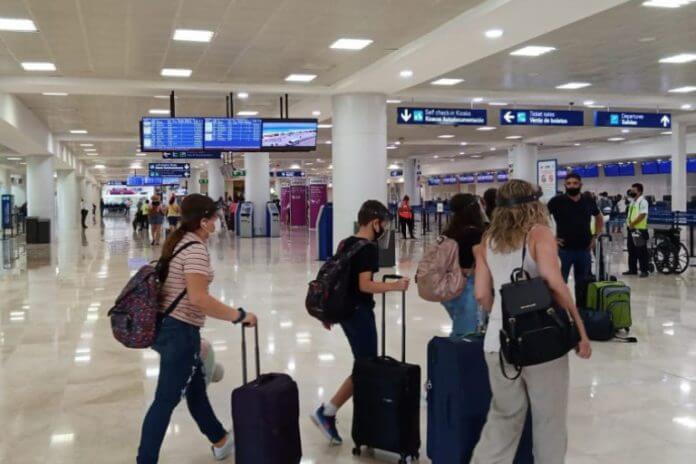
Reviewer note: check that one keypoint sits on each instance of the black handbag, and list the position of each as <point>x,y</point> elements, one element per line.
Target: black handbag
<point>534,330</point>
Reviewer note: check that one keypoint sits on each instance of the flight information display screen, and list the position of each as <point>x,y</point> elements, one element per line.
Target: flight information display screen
<point>232,134</point>
<point>170,134</point>
<point>289,135</point>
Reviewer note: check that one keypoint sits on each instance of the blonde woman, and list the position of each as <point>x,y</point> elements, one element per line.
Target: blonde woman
<point>520,216</point>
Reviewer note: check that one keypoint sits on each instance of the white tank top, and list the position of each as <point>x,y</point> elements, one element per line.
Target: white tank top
<point>501,266</point>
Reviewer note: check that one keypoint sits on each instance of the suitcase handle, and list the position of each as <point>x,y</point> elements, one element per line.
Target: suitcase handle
<point>403,318</point>
<point>256,353</point>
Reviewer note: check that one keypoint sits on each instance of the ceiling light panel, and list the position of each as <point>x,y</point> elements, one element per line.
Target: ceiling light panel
<point>247,113</point>
<point>158,111</point>
<point>680,59</point>
<point>573,86</point>
<point>406,73</point>
<point>301,77</point>
<point>350,44</point>
<point>55,94</point>
<point>17,25</point>
<point>78,131</point>
<point>533,50</point>
<point>38,66</point>
<point>193,35</point>
<point>176,72</point>
<point>686,89</point>
<point>447,81</point>
<point>494,33</point>
<point>667,3</point>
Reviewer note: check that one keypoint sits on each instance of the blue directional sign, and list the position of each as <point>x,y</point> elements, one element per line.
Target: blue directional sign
<point>441,116</point>
<point>396,173</point>
<point>170,170</point>
<point>191,155</point>
<point>290,174</point>
<point>541,118</point>
<point>637,120</point>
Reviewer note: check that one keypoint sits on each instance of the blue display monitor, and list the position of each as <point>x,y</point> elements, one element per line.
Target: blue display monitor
<point>691,165</point>
<point>627,169</point>
<point>467,178</point>
<point>590,170</point>
<point>502,176</point>
<point>289,135</point>
<point>562,173</point>
<point>232,134</point>
<point>664,167</point>
<point>484,178</point>
<point>449,180</point>
<point>434,181</point>
<point>611,170</point>
<point>171,134</point>
<point>649,167</point>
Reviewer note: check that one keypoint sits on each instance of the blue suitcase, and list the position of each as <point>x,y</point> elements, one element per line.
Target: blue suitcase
<point>459,396</point>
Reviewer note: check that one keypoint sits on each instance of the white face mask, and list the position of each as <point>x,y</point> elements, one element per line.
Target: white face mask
<point>384,238</point>
<point>209,231</point>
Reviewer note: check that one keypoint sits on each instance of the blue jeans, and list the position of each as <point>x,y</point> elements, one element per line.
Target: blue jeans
<point>463,311</point>
<point>361,332</point>
<point>181,374</point>
<point>581,262</point>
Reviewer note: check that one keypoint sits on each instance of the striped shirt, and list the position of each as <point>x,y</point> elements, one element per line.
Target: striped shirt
<point>193,260</point>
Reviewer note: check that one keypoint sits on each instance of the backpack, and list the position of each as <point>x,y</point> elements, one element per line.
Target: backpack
<point>327,295</point>
<point>439,277</point>
<point>136,314</point>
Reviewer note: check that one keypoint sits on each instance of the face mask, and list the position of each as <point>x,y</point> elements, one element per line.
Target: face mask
<point>210,232</point>
<point>632,194</point>
<point>572,191</point>
<point>382,236</point>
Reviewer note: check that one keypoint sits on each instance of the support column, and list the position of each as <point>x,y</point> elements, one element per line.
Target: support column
<point>411,187</point>
<point>679,175</point>
<point>257,187</point>
<point>41,189</point>
<point>68,192</point>
<point>216,181</point>
<point>194,184</point>
<point>5,181</point>
<point>522,160</point>
<point>359,153</point>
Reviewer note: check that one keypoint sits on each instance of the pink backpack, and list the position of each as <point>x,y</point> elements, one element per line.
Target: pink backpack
<point>439,277</point>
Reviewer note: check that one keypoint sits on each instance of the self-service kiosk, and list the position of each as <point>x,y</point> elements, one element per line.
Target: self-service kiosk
<point>324,228</point>
<point>246,220</point>
<point>272,220</point>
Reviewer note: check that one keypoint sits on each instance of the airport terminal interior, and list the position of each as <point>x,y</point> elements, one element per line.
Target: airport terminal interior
<point>290,114</point>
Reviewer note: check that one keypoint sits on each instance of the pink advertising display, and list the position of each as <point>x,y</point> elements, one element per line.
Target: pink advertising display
<point>318,196</point>
<point>285,205</point>
<point>298,205</point>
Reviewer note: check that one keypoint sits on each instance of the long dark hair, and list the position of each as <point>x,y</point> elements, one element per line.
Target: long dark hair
<point>466,213</point>
<point>194,208</point>
<point>489,198</point>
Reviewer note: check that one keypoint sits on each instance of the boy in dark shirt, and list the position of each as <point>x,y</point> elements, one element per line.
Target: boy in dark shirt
<point>360,328</point>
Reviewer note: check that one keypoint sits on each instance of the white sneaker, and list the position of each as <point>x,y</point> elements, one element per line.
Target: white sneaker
<point>225,451</point>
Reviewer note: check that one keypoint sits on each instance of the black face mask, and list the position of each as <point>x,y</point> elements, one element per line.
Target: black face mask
<point>573,191</point>
<point>632,194</point>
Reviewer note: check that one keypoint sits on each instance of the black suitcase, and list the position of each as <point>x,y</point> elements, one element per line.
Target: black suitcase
<point>458,404</point>
<point>386,399</point>
<point>266,414</point>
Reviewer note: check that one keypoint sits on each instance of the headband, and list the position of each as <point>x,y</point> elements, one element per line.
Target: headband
<point>510,202</point>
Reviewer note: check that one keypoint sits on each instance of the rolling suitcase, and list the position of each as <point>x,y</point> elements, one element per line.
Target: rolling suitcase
<point>386,398</point>
<point>266,413</point>
<point>458,404</point>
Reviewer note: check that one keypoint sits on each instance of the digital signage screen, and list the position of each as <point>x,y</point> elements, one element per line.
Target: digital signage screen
<point>484,178</point>
<point>649,167</point>
<point>171,134</point>
<point>467,178</point>
<point>664,167</point>
<point>230,134</point>
<point>627,169</point>
<point>289,135</point>
<point>611,170</point>
<point>691,165</point>
<point>562,173</point>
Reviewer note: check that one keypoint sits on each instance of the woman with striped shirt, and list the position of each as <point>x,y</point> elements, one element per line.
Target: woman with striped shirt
<point>178,341</point>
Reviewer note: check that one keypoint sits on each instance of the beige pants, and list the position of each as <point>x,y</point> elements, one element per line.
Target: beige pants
<point>545,388</point>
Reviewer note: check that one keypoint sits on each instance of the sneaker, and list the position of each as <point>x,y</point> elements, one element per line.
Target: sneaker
<point>327,424</point>
<point>225,451</point>
<point>644,274</point>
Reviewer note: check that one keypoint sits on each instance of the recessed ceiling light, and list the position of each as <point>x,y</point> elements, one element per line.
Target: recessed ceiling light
<point>462,153</point>
<point>406,73</point>
<point>625,131</point>
<point>476,156</point>
<point>247,113</point>
<point>99,166</point>
<point>14,158</point>
<point>136,166</point>
<point>23,163</point>
<point>92,154</point>
<point>38,66</point>
<point>316,113</point>
<point>55,94</point>
<point>159,111</point>
<point>616,139</point>
<point>90,149</point>
<point>167,97</point>
<point>477,99</point>
<point>324,126</point>
<point>193,35</point>
<point>577,144</point>
<point>687,89</point>
<point>513,137</point>
<point>391,147</point>
<point>588,102</point>
<point>463,144</point>
<point>300,77</point>
<point>573,86</point>
<point>494,33</point>
<point>350,44</point>
<point>17,25</point>
<point>497,104</point>
<point>666,133</point>
<point>679,59</point>
<point>141,154</point>
<point>242,95</point>
<point>448,81</point>
<point>686,107</point>
<point>666,3</point>
<point>86,144</point>
<point>328,142</point>
<point>78,131</point>
<point>493,149</point>
<point>393,102</point>
<point>532,50</point>
<point>176,72</point>
<point>485,128</point>
<point>646,39</point>
<point>436,156</point>
<point>445,136</point>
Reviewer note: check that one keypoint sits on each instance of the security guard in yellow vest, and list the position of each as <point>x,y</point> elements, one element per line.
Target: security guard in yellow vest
<point>637,225</point>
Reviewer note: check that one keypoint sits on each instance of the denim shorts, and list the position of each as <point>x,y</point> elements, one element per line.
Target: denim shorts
<point>361,332</point>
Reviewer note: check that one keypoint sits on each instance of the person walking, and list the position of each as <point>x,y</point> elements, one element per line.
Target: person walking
<point>572,213</point>
<point>637,227</point>
<point>144,216</point>
<point>406,217</point>
<point>179,341</point>
<point>173,214</point>
<point>84,212</point>
<point>156,219</point>
<point>521,220</point>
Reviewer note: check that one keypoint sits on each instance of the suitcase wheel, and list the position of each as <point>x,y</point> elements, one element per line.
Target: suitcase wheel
<point>356,451</point>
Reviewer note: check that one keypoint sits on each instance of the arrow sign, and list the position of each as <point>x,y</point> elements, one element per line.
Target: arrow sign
<point>537,117</point>
<point>633,120</point>
<point>509,117</point>
<point>405,115</point>
<point>665,121</point>
<point>441,116</point>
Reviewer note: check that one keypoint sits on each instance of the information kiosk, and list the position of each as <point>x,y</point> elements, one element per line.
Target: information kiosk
<point>246,220</point>
<point>272,220</point>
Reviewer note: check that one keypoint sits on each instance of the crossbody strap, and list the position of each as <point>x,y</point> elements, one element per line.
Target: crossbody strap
<point>181,295</point>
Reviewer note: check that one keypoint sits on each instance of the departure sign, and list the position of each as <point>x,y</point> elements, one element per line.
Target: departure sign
<point>637,120</point>
<point>541,118</point>
<point>191,155</point>
<point>164,134</point>
<point>232,134</point>
<point>170,170</point>
<point>441,116</point>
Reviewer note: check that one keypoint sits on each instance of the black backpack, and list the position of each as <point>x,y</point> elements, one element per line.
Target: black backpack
<point>327,296</point>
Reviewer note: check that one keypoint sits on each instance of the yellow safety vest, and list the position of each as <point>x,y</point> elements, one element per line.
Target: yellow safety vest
<point>634,212</point>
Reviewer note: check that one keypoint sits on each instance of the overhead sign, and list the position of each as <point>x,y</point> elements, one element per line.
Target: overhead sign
<point>233,134</point>
<point>290,174</point>
<point>467,178</point>
<point>170,170</point>
<point>441,116</point>
<point>7,205</point>
<point>116,182</point>
<point>396,173</point>
<point>160,134</point>
<point>637,120</point>
<point>541,118</point>
<point>191,155</point>
<point>547,178</point>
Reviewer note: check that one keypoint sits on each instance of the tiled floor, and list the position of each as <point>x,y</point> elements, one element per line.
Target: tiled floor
<point>70,394</point>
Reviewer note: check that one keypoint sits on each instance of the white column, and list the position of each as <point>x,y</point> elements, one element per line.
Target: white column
<point>410,185</point>
<point>41,187</point>
<point>194,184</point>
<point>359,151</point>
<point>523,160</point>
<point>679,175</point>
<point>68,191</point>
<point>257,187</point>
<point>19,190</point>
<point>216,181</point>
<point>5,181</point>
